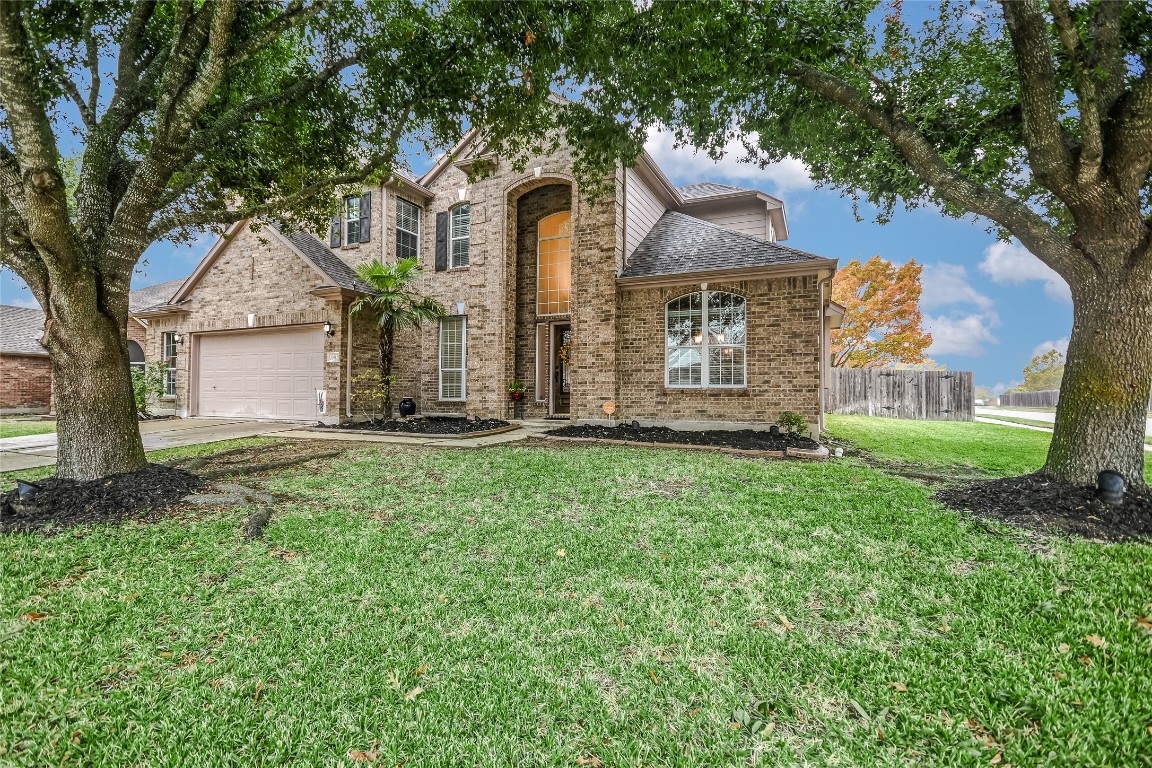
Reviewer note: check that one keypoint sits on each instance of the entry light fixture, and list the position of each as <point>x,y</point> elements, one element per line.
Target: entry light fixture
<point>178,337</point>
<point>328,330</point>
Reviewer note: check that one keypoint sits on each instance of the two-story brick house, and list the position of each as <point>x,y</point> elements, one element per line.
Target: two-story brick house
<point>676,303</point>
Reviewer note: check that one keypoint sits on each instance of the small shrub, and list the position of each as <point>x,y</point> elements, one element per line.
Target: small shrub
<point>790,421</point>
<point>148,385</point>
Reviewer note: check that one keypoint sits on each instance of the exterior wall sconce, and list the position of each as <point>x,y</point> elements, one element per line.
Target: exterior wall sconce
<point>328,329</point>
<point>537,171</point>
<point>178,337</point>
<point>461,308</point>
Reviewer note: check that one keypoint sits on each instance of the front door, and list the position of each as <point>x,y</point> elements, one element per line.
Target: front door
<point>561,380</point>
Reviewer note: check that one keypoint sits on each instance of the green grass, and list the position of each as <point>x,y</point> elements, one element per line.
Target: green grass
<point>989,448</point>
<point>8,479</point>
<point>530,606</point>
<point>21,427</point>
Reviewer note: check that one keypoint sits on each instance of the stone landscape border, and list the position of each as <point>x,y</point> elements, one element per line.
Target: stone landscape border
<point>819,454</point>
<point>422,435</point>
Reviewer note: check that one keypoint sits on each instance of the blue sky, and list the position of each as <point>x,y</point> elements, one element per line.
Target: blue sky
<point>990,306</point>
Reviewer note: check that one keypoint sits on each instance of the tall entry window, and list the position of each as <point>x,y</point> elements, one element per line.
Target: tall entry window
<point>554,265</point>
<point>453,357</point>
<point>168,341</point>
<point>705,338</point>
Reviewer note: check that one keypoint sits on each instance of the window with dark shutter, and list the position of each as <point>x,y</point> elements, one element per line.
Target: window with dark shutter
<point>334,231</point>
<point>352,220</point>
<point>366,217</point>
<point>442,241</point>
<point>407,230</point>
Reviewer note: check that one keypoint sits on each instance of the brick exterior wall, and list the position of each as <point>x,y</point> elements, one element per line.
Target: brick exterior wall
<point>783,356</point>
<point>25,383</point>
<point>618,336</point>
<point>499,274</point>
<point>258,274</point>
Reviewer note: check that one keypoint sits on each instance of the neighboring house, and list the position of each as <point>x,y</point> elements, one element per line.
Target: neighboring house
<point>25,369</point>
<point>678,304</point>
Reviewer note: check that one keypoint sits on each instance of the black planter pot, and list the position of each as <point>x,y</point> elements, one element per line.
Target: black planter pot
<point>407,407</point>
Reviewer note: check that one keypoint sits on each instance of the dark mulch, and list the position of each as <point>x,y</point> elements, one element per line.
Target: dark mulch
<point>425,425</point>
<point>1040,503</point>
<point>749,439</point>
<point>67,503</point>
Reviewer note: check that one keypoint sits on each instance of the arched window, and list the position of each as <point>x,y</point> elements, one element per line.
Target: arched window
<point>135,355</point>
<point>554,265</point>
<point>705,337</point>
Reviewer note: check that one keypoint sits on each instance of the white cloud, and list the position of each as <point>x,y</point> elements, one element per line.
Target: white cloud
<point>961,334</point>
<point>1060,345</point>
<point>685,165</point>
<point>945,284</point>
<point>1012,263</point>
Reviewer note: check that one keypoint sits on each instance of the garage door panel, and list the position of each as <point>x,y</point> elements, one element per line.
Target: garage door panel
<point>263,374</point>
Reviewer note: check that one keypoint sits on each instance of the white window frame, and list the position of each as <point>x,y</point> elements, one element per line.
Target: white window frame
<point>347,220</point>
<point>463,363</point>
<point>168,345</point>
<point>400,203</point>
<point>539,242</point>
<point>464,209</point>
<point>705,345</point>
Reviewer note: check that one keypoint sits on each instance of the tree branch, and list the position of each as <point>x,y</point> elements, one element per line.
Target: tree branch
<point>1033,231</point>
<point>1045,138</point>
<point>1091,154</point>
<point>295,15</point>
<point>92,54</point>
<point>1132,136</point>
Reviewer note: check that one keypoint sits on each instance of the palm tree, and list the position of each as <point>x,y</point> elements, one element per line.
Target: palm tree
<point>397,305</point>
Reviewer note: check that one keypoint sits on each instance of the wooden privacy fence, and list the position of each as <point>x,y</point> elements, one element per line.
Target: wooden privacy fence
<point>1044,398</point>
<point>939,395</point>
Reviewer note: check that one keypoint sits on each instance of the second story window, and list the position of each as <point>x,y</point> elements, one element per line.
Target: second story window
<point>460,238</point>
<point>354,223</point>
<point>407,230</point>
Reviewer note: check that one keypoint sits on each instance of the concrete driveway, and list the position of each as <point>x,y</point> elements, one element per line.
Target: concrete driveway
<point>18,453</point>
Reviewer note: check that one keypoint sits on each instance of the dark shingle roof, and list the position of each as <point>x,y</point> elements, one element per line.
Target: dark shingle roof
<point>325,260</point>
<point>153,295</point>
<point>680,243</point>
<point>709,189</point>
<point>21,329</point>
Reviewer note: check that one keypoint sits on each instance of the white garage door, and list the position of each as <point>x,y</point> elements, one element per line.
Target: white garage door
<point>263,374</point>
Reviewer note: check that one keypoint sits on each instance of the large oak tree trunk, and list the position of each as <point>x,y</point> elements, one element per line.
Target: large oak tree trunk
<point>96,423</point>
<point>1100,420</point>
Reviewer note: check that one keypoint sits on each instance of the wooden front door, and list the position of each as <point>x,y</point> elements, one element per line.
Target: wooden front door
<point>561,384</point>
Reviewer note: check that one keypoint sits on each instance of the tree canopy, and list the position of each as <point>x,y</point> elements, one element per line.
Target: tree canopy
<point>882,319</point>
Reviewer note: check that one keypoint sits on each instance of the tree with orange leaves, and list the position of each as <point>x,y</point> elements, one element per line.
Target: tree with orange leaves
<point>882,318</point>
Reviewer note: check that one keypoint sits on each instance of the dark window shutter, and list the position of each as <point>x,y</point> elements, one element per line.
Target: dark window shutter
<point>442,241</point>
<point>334,232</point>
<point>366,217</point>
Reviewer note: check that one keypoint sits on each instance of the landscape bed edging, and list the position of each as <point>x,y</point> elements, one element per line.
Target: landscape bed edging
<point>424,435</point>
<point>820,454</point>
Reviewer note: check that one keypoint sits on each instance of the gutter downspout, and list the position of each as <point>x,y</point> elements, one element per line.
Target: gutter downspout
<point>348,366</point>
<point>825,350</point>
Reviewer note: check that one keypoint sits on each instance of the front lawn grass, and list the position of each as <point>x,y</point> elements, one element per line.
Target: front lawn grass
<point>22,427</point>
<point>595,605</point>
<point>994,449</point>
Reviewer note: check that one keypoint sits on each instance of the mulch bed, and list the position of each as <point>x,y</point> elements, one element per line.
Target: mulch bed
<point>425,425</point>
<point>64,504</point>
<point>1040,503</point>
<point>745,439</point>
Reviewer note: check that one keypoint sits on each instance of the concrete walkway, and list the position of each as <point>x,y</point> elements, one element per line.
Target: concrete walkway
<point>18,453</point>
<point>1048,416</point>
<point>989,420</point>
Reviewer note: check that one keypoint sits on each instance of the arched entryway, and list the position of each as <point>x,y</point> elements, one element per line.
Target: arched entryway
<point>543,223</point>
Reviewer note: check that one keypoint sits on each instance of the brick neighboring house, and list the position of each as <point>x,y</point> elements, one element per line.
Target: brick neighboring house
<point>25,369</point>
<point>584,302</point>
